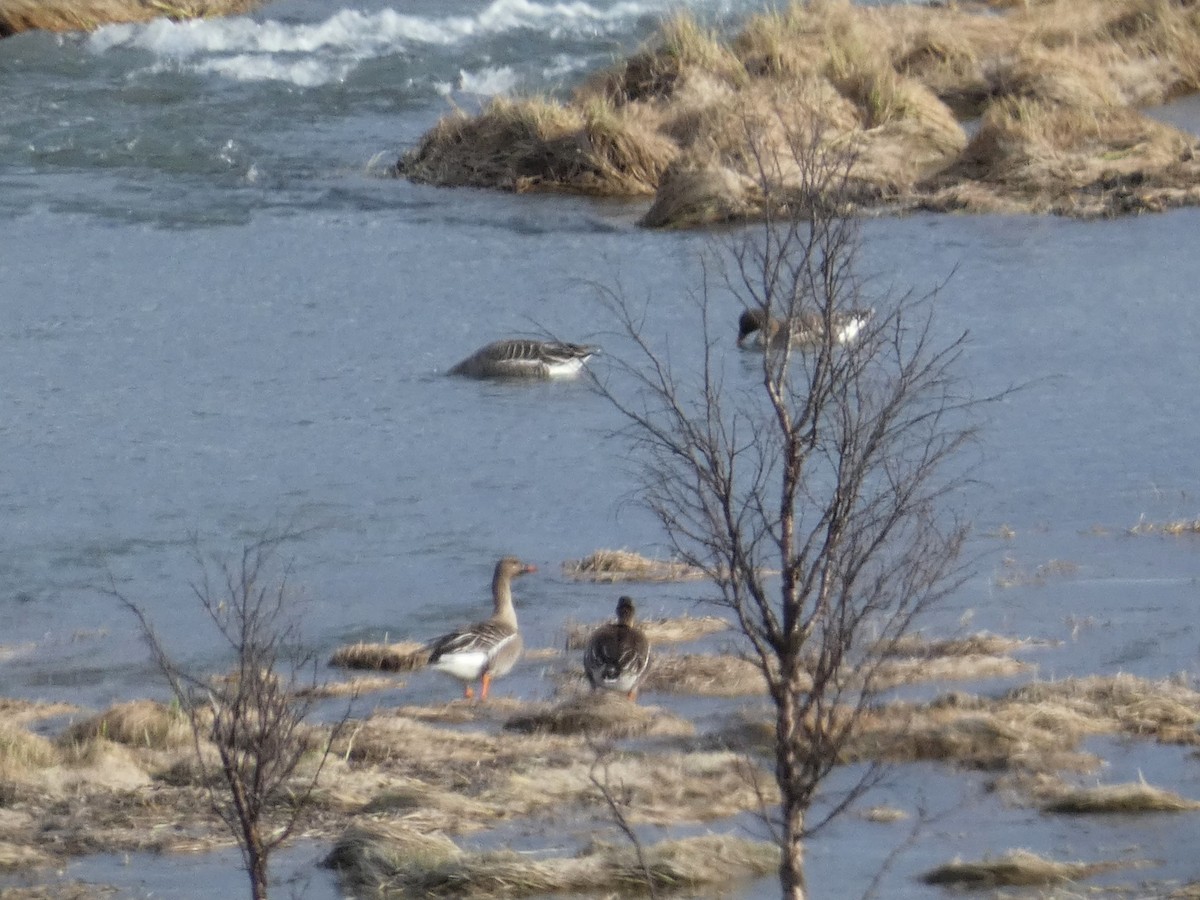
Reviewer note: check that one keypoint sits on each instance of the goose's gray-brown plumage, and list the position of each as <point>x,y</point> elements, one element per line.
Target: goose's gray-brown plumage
<point>489,649</point>
<point>526,358</point>
<point>618,653</point>
<point>756,329</point>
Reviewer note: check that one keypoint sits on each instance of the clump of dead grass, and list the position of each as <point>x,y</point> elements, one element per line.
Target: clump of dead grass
<point>533,143</point>
<point>17,857</point>
<point>22,752</point>
<point>431,867</point>
<point>1134,797</point>
<point>654,72</point>
<point>1174,528</point>
<point>14,711</point>
<point>1167,709</point>
<point>626,565</point>
<point>1013,574</point>
<point>683,118</point>
<point>1080,161</point>
<point>601,714</point>
<point>138,723</point>
<point>710,675</point>
<point>402,656</point>
<point>87,15</point>
<point>1016,868</point>
<point>673,630</point>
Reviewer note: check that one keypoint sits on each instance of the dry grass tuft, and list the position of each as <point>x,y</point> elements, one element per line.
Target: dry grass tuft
<point>1174,528</point>
<point>972,667</point>
<point>626,565</point>
<point>20,712</point>
<point>1135,797</point>
<point>22,752</point>
<point>17,857</point>
<point>677,630</point>
<point>139,723</point>
<point>601,714</point>
<point>403,656</point>
<point>522,145</point>
<point>1168,709</point>
<point>884,815</point>
<point>981,644</point>
<point>1012,574</point>
<point>1057,84</point>
<point>351,687</point>
<point>430,867</point>
<point>87,15</point>
<point>719,675</point>
<point>1019,867</point>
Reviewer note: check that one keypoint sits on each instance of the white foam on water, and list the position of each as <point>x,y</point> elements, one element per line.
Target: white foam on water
<point>487,82</point>
<point>311,54</point>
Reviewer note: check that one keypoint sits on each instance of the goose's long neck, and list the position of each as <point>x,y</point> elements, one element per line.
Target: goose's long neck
<point>502,598</point>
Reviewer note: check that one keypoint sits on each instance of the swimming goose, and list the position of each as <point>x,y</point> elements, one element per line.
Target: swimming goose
<point>756,328</point>
<point>488,649</point>
<point>617,654</point>
<point>526,358</point>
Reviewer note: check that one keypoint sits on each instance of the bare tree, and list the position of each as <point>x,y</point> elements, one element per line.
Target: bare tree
<point>809,480</point>
<point>255,714</point>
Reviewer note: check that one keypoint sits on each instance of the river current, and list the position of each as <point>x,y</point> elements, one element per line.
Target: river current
<point>220,317</point>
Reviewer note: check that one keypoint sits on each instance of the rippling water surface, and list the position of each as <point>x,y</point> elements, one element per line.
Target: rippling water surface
<point>219,316</point>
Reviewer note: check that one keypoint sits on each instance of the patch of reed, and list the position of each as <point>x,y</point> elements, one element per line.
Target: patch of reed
<point>22,752</point>
<point>138,723</point>
<point>709,675</point>
<point>884,815</point>
<point>673,630</point>
<point>1176,527</point>
<point>432,867</point>
<point>601,714</point>
<point>14,711</point>
<point>534,143</point>
<point>18,857</point>
<point>1134,797</point>
<point>980,644</point>
<point>626,565</point>
<point>681,46</point>
<point>402,656</point>
<point>87,15</point>
<point>351,687</point>
<point>1016,868</point>
<point>971,667</point>
<point>1168,709</point>
<point>1012,574</point>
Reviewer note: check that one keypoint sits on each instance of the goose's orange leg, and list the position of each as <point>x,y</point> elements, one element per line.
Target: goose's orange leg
<point>487,683</point>
<point>467,692</point>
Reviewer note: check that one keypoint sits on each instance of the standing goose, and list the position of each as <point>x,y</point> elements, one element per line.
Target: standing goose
<point>526,358</point>
<point>488,649</point>
<point>756,329</point>
<point>617,653</point>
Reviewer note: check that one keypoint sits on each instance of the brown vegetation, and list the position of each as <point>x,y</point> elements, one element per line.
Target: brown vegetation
<point>1136,797</point>
<point>1057,86</point>
<point>388,862</point>
<point>1019,867</point>
<point>626,565</point>
<point>677,630</point>
<point>601,714</point>
<point>88,15</point>
<point>403,656</point>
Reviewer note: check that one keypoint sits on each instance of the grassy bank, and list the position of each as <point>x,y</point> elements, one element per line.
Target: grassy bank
<point>699,121</point>
<point>87,15</point>
<point>407,784</point>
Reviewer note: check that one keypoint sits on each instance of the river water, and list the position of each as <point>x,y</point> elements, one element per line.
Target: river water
<point>220,317</point>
